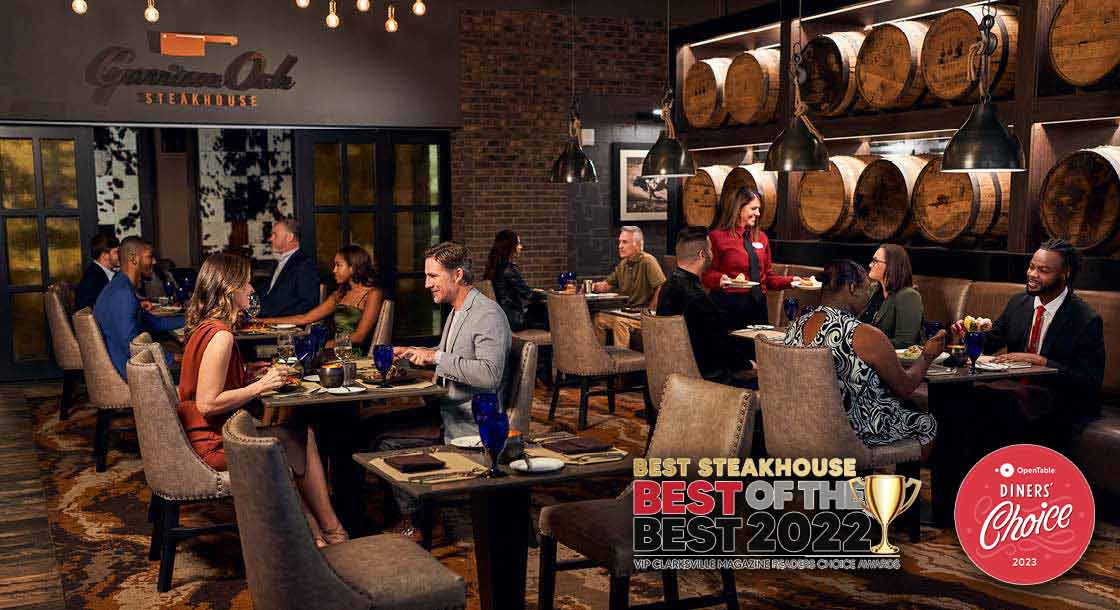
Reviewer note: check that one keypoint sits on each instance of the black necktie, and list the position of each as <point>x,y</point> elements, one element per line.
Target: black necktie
<point>756,267</point>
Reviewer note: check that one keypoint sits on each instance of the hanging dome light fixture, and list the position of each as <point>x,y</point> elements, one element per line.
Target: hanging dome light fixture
<point>668,158</point>
<point>799,147</point>
<point>573,165</point>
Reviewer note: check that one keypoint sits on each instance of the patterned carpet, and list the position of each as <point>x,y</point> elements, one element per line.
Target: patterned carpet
<point>101,535</point>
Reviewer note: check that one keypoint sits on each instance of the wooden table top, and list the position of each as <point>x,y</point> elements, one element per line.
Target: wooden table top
<point>512,480</point>
<point>240,335</point>
<point>371,393</point>
<point>960,375</point>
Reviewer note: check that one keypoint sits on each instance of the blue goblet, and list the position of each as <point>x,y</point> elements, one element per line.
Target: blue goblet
<point>494,430</point>
<point>383,361</point>
<point>931,328</point>
<point>974,346</point>
<point>483,405</point>
<point>183,295</point>
<point>168,289</point>
<point>790,305</point>
<point>319,332</point>
<point>305,348</point>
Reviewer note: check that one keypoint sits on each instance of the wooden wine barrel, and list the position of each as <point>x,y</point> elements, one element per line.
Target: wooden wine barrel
<point>1085,41</point>
<point>827,200</point>
<point>1080,200</point>
<point>945,53</point>
<point>757,178</point>
<point>888,70</point>
<point>829,61</point>
<point>703,96</point>
<point>751,88</point>
<point>953,205</point>
<point>701,194</point>
<point>882,197</point>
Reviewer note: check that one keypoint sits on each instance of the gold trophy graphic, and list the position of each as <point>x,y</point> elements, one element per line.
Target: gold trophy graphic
<point>883,498</point>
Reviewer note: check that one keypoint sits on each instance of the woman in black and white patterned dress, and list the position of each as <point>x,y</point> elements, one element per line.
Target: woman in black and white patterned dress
<point>873,383</point>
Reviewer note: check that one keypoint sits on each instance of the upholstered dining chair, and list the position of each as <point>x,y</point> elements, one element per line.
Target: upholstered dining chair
<point>383,330</point>
<point>107,391</point>
<point>698,419</point>
<point>286,571</point>
<point>175,473</point>
<point>543,340</point>
<point>668,350</point>
<point>64,345</point>
<point>486,287</point>
<point>577,354</point>
<point>803,416</point>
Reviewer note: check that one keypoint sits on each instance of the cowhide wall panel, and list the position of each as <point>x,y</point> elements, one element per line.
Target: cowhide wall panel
<point>116,165</point>
<point>245,184</point>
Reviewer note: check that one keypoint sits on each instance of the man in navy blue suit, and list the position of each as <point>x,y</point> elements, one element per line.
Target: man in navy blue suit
<point>103,249</point>
<point>293,288</point>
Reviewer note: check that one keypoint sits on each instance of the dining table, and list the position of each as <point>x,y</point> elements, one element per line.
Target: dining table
<point>500,515</point>
<point>337,419</point>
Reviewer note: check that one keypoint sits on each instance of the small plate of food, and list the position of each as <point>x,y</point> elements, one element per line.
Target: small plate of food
<point>741,281</point>
<point>807,283</point>
<point>291,384</point>
<point>912,353</point>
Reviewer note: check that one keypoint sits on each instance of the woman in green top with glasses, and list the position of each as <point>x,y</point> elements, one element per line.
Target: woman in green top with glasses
<point>355,305</point>
<point>895,306</point>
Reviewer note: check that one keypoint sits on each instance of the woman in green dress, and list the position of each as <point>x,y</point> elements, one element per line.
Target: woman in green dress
<point>354,306</point>
<point>895,306</point>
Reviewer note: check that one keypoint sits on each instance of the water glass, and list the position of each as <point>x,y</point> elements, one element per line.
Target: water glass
<point>285,351</point>
<point>343,349</point>
<point>319,332</point>
<point>168,288</point>
<point>254,308</point>
<point>974,347</point>
<point>790,305</point>
<point>305,348</point>
<point>164,301</point>
<point>383,361</point>
<point>183,294</point>
<point>483,405</point>
<point>494,430</point>
<point>931,328</point>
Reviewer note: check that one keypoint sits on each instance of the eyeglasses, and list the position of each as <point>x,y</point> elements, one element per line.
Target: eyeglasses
<point>878,260</point>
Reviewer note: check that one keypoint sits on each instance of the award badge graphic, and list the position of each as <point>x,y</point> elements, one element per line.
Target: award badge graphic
<point>1024,514</point>
<point>765,513</point>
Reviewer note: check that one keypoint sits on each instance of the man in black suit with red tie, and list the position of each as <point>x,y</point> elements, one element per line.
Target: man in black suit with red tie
<point>1047,325</point>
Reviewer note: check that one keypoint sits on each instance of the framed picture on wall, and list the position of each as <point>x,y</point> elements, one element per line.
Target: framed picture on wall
<point>636,198</point>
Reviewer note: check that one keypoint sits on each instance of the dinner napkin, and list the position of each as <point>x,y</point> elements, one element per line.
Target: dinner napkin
<point>577,445</point>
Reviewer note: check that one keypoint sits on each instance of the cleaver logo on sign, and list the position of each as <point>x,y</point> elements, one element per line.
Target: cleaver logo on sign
<point>174,84</point>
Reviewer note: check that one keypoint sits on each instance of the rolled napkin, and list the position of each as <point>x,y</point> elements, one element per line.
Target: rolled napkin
<point>577,445</point>
<point>420,462</point>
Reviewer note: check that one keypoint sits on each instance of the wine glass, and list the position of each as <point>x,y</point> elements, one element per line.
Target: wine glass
<point>344,349</point>
<point>974,346</point>
<point>494,430</point>
<point>383,360</point>
<point>285,351</point>
<point>790,305</point>
<point>254,308</point>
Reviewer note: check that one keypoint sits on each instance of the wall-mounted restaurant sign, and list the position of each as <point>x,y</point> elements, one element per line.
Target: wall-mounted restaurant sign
<point>178,85</point>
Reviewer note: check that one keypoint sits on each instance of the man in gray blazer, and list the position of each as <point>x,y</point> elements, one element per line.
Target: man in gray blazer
<point>474,346</point>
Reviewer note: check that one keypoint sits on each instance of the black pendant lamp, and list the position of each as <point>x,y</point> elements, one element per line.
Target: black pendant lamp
<point>573,165</point>
<point>983,144</point>
<point>799,147</point>
<point>668,158</point>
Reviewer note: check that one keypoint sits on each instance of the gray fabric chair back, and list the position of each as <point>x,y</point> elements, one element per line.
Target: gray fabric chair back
<point>486,287</point>
<point>64,343</point>
<point>668,350</point>
<point>802,414</point>
<point>106,388</point>
<point>383,330</point>
<point>173,470</point>
<point>283,567</point>
<point>703,419</point>
<point>575,348</point>
<point>522,369</point>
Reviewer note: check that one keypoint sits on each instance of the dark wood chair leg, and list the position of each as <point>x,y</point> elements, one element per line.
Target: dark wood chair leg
<point>555,397</point>
<point>426,522</point>
<point>69,389</point>
<point>546,584</point>
<point>669,583</point>
<point>912,518</point>
<point>620,592</point>
<point>170,541</point>
<point>584,389</point>
<point>610,394</point>
<point>155,516</point>
<point>730,594</point>
<point>101,438</point>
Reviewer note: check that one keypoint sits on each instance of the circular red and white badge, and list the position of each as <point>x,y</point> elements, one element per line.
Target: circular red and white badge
<point>1024,514</point>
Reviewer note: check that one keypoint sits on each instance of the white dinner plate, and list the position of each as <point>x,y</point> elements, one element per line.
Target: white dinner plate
<point>601,295</point>
<point>991,366</point>
<point>472,441</point>
<point>345,391</point>
<point>938,360</point>
<point>800,286</point>
<point>314,378</point>
<point>283,326</point>
<point>537,465</point>
<point>760,327</point>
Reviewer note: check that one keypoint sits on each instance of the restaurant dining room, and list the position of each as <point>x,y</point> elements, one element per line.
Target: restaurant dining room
<point>835,288</point>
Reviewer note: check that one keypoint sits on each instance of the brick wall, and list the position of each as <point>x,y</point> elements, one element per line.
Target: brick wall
<point>514,91</point>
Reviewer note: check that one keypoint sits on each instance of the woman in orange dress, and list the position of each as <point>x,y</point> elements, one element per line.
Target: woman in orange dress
<point>214,384</point>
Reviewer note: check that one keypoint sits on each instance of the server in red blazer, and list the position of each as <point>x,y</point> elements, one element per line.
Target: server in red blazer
<point>740,247</point>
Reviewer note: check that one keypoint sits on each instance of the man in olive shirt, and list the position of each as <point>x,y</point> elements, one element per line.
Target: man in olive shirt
<point>638,276</point>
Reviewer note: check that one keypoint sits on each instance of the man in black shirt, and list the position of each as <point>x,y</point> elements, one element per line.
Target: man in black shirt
<point>718,355</point>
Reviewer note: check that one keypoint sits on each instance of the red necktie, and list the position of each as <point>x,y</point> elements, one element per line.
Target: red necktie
<point>1036,330</point>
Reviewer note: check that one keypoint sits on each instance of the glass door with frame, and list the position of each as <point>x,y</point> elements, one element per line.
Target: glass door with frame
<point>47,216</point>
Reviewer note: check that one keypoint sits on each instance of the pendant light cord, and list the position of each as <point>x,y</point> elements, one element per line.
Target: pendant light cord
<point>799,107</point>
<point>983,50</point>
<point>667,98</point>
<point>574,125</point>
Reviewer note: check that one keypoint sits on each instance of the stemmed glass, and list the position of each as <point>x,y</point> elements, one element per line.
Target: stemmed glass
<point>305,349</point>
<point>319,332</point>
<point>285,351</point>
<point>343,349</point>
<point>493,428</point>
<point>931,328</point>
<point>254,308</point>
<point>790,305</point>
<point>974,346</point>
<point>168,289</point>
<point>383,361</point>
